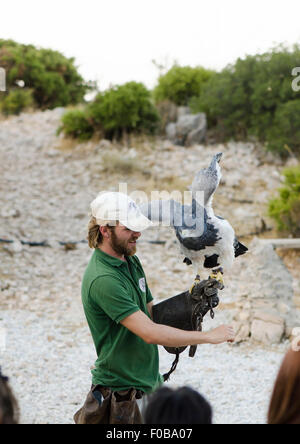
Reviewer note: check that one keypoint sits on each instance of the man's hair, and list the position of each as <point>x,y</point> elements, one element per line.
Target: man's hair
<point>95,237</point>
<point>181,406</point>
<point>9,410</point>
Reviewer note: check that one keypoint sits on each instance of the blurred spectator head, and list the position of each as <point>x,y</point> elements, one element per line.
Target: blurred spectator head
<point>284,407</point>
<point>9,411</point>
<point>180,406</point>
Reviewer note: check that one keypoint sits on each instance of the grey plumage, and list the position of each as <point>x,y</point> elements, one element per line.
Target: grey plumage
<point>207,180</point>
<point>205,240</point>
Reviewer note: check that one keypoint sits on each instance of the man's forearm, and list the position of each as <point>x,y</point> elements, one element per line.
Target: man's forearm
<point>153,333</point>
<point>174,337</point>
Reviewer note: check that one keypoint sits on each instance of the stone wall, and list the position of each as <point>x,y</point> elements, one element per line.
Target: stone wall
<point>265,310</point>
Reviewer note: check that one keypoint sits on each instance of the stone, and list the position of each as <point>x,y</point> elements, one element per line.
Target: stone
<point>183,111</point>
<point>243,333</point>
<point>283,308</point>
<point>196,136</point>
<point>17,247</point>
<point>104,144</point>
<point>244,315</point>
<point>171,131</point>
<point>266,332</point>
<point>189,129</point>
<point>268,316</point>
<point>297,301</point>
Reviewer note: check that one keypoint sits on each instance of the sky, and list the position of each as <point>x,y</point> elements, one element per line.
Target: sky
<point>116,41</point>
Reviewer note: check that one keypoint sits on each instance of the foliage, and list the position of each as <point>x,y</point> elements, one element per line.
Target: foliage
<point>181,83</point>
<point>16,101</point>
<point>75,124</point>
<point>52,77</point>
<point>285,209</point>
<point>249,97</point>
<point>115,112</point>
<point>124,109</point>
<point>284,134</point>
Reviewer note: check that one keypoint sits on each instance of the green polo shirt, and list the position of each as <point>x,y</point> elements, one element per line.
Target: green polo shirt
<point>112,290</point>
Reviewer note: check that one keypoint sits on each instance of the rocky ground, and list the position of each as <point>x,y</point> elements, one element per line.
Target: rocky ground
<point>46,186</point>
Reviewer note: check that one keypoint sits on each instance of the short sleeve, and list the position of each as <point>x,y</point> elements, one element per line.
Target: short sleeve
<point>149,296</point>
<point>112,296</point>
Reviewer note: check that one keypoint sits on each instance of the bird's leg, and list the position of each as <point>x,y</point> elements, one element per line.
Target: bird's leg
<point>196,281</point>
<point>217,275</point>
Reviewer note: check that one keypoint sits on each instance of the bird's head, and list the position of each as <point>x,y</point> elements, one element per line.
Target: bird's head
<point>208,179</point>
<point>216,159</point>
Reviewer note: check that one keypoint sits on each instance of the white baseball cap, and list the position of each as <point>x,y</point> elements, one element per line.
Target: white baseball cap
<point>110,207</point>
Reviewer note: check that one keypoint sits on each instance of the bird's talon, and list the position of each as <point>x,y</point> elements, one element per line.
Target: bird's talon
<point>217,275</point>
<point>196,282</point>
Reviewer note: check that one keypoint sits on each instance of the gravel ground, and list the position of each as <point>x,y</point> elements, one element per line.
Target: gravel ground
<point>48,362</point>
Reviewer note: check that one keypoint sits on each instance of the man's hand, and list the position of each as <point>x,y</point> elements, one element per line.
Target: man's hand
<point>221,334</point>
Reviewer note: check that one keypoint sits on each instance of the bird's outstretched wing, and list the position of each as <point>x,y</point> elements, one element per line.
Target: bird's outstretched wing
<point>188,219</point>
<point>167,212</point>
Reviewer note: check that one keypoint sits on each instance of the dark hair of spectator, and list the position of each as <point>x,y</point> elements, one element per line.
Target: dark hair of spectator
<point>284,407</point>
<point>9,410</point>
<point>181,406</point>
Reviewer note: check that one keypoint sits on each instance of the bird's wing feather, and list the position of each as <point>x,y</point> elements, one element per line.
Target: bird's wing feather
<point>189,219</point>
<point>168,212</point>
<point>189,240</point>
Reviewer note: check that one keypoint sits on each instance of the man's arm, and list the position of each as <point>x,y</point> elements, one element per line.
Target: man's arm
<point>152,333</point>
<point>149,307</point>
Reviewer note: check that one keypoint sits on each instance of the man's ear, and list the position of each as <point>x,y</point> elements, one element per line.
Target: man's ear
<point>104,230</point>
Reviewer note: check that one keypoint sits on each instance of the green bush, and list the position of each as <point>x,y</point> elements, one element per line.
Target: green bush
<point>16,101</point>
<point>180,84</point>
<point>245,99</point>
<point>124,109</point>
<point>75,124</point>
<point>285,209</point>
<point>284,134</point>
<point>52,78</point>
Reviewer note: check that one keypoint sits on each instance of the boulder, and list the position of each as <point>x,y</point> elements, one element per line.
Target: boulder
<point>189,129</point>
<point>171,131</point>
<point>267,332</point>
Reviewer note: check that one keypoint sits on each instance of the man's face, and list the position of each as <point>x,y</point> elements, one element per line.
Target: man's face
<point>123,240</point>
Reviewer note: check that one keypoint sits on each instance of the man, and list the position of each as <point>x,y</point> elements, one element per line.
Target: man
<point>118,307</point>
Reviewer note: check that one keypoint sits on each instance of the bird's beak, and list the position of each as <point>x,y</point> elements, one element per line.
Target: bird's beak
<point>218,157</point>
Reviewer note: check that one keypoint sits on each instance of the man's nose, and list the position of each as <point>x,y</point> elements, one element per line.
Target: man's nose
<point>137,234</point>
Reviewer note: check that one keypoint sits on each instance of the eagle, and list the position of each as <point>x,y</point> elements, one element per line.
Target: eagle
<point>205,239</point>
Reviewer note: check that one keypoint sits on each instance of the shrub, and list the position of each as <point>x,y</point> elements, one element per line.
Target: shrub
<point>180,84</point>
<point>284,134</point>
<point>16,101</point>
<point>53,78</point>
<point>285,209</point>
<point>246,98</point>
<point>124,109</point>
<point>75,124</point>
<point>116,163</point>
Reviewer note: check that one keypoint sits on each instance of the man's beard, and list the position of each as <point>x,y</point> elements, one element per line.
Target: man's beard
<point>121,246</point>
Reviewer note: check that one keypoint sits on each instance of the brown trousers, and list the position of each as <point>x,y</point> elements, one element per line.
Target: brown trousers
<point>103,406</point>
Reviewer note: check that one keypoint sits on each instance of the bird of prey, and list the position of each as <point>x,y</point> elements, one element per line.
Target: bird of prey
<point>206,240</point>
